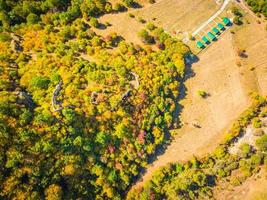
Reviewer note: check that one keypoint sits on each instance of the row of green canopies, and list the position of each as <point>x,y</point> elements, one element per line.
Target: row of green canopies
<point>211,35</point>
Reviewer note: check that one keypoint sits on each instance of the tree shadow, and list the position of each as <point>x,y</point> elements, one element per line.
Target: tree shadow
<point>101,26</point>
<point>136,5</point>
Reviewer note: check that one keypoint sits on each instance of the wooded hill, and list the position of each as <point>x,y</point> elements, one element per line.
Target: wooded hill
<point>79,114</point>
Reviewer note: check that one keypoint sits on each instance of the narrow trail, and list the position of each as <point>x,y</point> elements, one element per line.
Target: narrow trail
<point>220,77</point>
<point>203,25</point>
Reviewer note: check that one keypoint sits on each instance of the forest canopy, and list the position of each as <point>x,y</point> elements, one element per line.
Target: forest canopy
<point>79,113</point>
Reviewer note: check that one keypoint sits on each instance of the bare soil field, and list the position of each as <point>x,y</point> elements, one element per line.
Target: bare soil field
<point>229,87</point>
<point>182,15</point>
<point>217,74</point>
<point>252,38</point>
<point>254,188</point>
<point>123,25</point>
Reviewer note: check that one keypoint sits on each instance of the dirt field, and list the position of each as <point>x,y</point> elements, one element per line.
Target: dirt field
<point>123,25</point>
<point>221,78</point>
<point>252,38</point>
<point>183,15</point>
<point>254,188</point>
<point>217,73</point>
<point>227,84</point>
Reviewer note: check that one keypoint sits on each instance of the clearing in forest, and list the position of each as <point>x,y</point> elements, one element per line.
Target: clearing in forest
<point>254,188</point>
<point>228,85</point>
<point>183,15</point>
<point>180,16</point>
<point>221,79</point>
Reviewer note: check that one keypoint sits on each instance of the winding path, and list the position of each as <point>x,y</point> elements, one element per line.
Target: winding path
<point>224,5</point>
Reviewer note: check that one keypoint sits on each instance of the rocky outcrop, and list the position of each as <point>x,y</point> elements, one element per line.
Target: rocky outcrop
<point>93,98</point>
<point>54,98</point>
<point>24,98</point>
<point>136,80</point>
<point>15,43</point>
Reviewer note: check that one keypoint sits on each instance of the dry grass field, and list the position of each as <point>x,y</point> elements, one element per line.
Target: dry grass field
<point>221,79</point>
<point>229,87</point>
<point>123,25</point>
<point>252,38</point>
<point>254,188</point>
<point>182,15</point>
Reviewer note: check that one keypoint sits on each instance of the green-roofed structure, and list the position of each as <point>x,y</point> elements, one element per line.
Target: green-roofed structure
<point>221,27</point>
<point>211,36</point>
<point>200,45</point>
<point>215,30</point>
<point>226,21</point>
<point>205,40</point>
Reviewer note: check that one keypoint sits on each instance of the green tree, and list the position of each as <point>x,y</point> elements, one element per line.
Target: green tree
<point>69,114</point>
<point>145,37</point>
<point>33,18</point>
<point>262,143</point>
<point>94,22</point>
<point>41,82</point>
<point>26,117</point>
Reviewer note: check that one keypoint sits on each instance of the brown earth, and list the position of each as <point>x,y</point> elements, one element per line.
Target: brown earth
<point>217,74</point>
<point>254,188</point>
<point>183,15</point>
<point>228,86</point>
<point>225,76</point>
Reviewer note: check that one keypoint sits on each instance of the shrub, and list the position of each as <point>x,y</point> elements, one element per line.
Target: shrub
<point>131,15</point>
<point>94,22</point>
<point>245,150</point>
<point>32,19</point>
<point>150,26</point>
<point>191,37</point>
<point>256,122</point>
<point>4,37</point>
<point>235,181</point>
<point>236,11</point>
<point>141,20</point>
<point>237,20</point>
<point>108,7</point>
<point>107,24</point>
<point>202,93</point>
<point>256,159</point>
<point>96,41</point>
<point>128,3</point>
<point>40,82</point>
<point>145,37</point>
<point>90,50</point>
<point>119,7</point>
<point>262,143</point>
<point>258,132</point>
